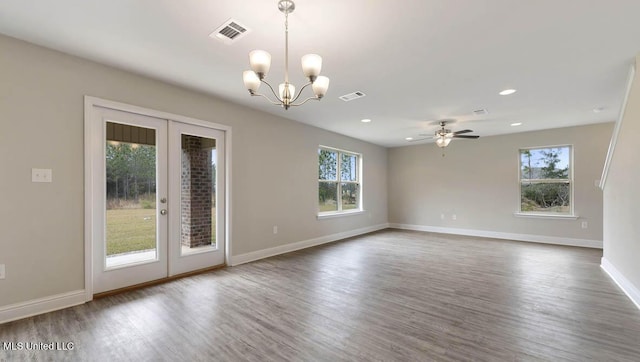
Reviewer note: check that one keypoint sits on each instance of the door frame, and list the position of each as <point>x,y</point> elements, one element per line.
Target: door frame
<point>89,172</point>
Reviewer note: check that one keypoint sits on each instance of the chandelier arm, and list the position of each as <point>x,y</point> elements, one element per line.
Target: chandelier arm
<point>267,98</point>
<point>300,92</point>
<point>305,101</point>
<point>272,91</point>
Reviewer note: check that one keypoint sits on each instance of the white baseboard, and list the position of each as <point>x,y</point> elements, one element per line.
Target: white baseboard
<point>500,235</point>
<point>265,253</point>
<point>629,289</point>
<point>39,306</point>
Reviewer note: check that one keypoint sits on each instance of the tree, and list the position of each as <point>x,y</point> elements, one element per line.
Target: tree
<point>327,165</point>
<point>527,168</point>
<point>117,158</point>
<point>551,158</point>
<point>327,170</point>
<point>130,170</point>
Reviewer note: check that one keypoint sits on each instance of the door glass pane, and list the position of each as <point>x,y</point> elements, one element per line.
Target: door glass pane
<point>198,194</point>
<point>131,195</point>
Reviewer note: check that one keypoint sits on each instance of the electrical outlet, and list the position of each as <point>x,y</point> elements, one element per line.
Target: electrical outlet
<point>454,217</point>
<point>275,229</point>
<point>585,224</point>
<point>3,273</point>
<point>41,175</point>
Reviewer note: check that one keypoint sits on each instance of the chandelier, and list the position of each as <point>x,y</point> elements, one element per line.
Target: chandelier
<point>260,62</point>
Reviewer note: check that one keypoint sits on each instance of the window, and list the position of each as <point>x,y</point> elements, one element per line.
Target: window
<point>338,181</point>
<point>546,181</point>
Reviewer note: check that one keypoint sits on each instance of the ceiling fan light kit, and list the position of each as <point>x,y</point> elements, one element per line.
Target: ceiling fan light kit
<point>444,136</point>
<point>260,62</point>
<point>443,141</point>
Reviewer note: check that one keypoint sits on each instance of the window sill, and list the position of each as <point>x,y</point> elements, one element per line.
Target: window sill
<point>546,216</point>
<point>330,215</point>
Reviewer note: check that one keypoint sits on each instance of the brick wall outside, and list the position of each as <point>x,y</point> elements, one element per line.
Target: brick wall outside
<point>196,192</point>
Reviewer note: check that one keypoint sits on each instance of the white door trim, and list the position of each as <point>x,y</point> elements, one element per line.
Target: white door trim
<point>89,113</point>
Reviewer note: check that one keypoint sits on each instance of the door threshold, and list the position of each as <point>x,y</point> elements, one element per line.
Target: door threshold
<point>156,282</point>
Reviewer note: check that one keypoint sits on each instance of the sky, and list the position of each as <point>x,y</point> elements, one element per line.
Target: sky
<point>537,157</point>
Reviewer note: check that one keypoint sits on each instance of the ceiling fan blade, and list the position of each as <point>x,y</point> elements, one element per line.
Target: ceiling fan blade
<point>470,137</point>
<point>463,131</point>
<point>419,139</point>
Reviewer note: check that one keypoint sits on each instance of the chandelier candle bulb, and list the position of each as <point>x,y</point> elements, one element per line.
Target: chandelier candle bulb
<point>260,62</point>
<point>320,86</point>
<point>311,66</point>
<point>251,80</point>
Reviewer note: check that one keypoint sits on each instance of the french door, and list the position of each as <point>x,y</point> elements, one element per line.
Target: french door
<point>158,198</point>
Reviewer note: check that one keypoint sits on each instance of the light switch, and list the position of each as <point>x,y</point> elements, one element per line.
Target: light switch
<point>41,175</point>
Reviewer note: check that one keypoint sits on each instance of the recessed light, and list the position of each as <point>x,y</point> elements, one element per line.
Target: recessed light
<point>598,109</point>
<point>409,138</point>
<point>506,92</point>
<point>366,120</point>
<point>516,124</point>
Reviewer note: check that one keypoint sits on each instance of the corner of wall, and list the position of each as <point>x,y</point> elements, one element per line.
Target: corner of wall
<point>620,198</point>
<point>627,287</point>
<point>616,129</point>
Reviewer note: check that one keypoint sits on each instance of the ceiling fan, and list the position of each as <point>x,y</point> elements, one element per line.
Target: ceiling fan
<point>444,136</point>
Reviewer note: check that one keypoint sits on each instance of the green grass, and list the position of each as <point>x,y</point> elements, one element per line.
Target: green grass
<point>349,206</point>
<point>328,207</point>
<point>130,230</point>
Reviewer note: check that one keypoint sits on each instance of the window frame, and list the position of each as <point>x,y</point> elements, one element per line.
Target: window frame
<point>570,180</point>
<point>339,212</point>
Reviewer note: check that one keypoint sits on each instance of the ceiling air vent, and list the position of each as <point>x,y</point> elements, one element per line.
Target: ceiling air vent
<point>230,32</point>
<point>480,112</point>
<point>352,96</point>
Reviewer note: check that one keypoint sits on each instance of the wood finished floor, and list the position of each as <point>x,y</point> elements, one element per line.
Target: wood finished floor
<point>391,295</point>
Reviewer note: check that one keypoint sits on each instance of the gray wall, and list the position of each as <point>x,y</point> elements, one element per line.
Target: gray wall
<point>477,180</point>
<point>621,194</point>
<point>274,166</point>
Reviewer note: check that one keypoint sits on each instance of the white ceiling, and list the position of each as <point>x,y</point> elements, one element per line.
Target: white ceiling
<point>417,61</point>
